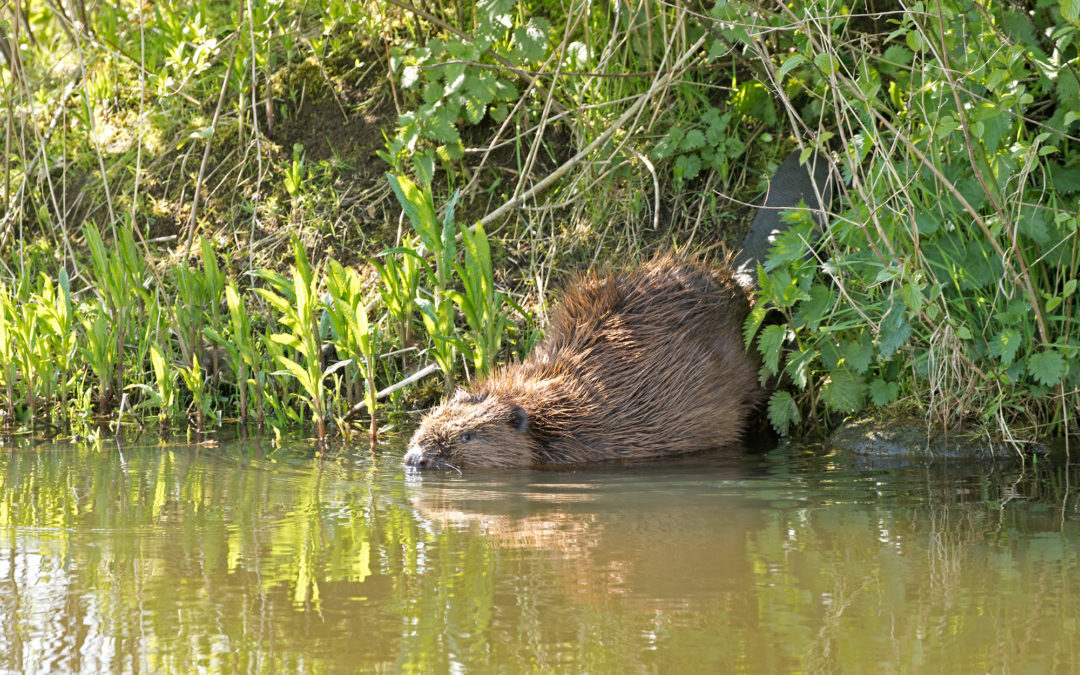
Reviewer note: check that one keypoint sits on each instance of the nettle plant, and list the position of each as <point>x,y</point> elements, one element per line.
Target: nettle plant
<point>460,79</point>
<point>946,279</point>
<point>710,144</point>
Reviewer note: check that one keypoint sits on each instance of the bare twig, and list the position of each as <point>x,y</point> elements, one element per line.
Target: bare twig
<point>657,86</point>
<point>993,195</point>
<point>206,153</point>
<point>544,114</point>
<point>359,408</point>
<point>570,73</point>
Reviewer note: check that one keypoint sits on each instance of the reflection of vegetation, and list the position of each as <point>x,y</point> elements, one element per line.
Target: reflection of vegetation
<point>170,552</point>
<point>261,550</point>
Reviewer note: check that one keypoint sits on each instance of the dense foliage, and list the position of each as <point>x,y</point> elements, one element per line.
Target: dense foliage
<point>947,278</point>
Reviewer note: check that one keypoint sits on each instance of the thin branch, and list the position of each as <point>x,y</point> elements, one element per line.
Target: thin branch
<point>631,112</point>
<point>359,408</point>
<point>547,73</point>
<point>206,151</point>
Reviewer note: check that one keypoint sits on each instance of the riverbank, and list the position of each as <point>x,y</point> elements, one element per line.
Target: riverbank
<point>269,214</point>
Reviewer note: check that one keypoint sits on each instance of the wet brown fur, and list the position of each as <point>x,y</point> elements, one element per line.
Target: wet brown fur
<point>636,364</point>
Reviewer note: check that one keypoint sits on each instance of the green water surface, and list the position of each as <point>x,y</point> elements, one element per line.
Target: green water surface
<point>241,557</point>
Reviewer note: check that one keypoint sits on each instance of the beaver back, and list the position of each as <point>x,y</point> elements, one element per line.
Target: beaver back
<point>642,363</point>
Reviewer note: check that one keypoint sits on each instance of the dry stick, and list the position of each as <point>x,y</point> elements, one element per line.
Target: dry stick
<point>258,141</point>
<point>418,375</point>
<point>946,69</point>
<point>679,24</point>
<point>12,55</point>
<point>569,73</point>
<point>578,195</point>
<point>701,212</point>
<point>206,152</point>
<point>1027,56</point>
<point>16,65</point>
<point>1024,280</point>
<point>502,127</point>
<point>545,117</point>
<point>678,29</point>
<point>996,104</point>
<point>62,18</point>
<point>268,100</point>
<point>100,157</point>
<point>139,140</point>
<point>7,162</point>
<point>506,122</point>
<point>530,159</point>
<point>1065,423</point>
<point>44,141</point>
<point>796,121</point>
<point>110,48</point>
<point>656,188</point>
<point>101,164</point>
<point>138,158</point>
<point>9,125</point>
<point>632,111</point>
<point>860,186</point>
<point>497,144</point>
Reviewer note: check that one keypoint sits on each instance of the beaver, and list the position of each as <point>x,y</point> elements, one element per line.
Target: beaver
<point>643,363</point>
<point>635,364</point>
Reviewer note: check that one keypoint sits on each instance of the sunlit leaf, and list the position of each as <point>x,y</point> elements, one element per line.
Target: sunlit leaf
<point>1005,344</point>
<point>843,390</point>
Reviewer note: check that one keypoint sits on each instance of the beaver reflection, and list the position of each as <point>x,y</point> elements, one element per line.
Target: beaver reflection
<point>636,364</point>
<point>651,531</point>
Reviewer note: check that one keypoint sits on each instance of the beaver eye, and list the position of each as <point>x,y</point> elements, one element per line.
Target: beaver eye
<point>465,437</point>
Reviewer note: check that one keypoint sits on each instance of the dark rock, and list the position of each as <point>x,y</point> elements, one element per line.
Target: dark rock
<point>909,437</point>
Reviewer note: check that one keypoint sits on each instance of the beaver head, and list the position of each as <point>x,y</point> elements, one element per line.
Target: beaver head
<point>473,430</point>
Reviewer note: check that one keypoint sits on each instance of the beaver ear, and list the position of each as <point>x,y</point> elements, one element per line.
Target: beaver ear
<point>519,419</point>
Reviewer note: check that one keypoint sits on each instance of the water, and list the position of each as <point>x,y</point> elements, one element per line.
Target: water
<point>172,558</point>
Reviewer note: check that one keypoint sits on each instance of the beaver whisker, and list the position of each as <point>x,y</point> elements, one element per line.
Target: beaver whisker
<point>444,465</point>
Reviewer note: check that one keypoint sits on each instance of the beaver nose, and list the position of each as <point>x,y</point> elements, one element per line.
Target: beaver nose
<point>417,458</point>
